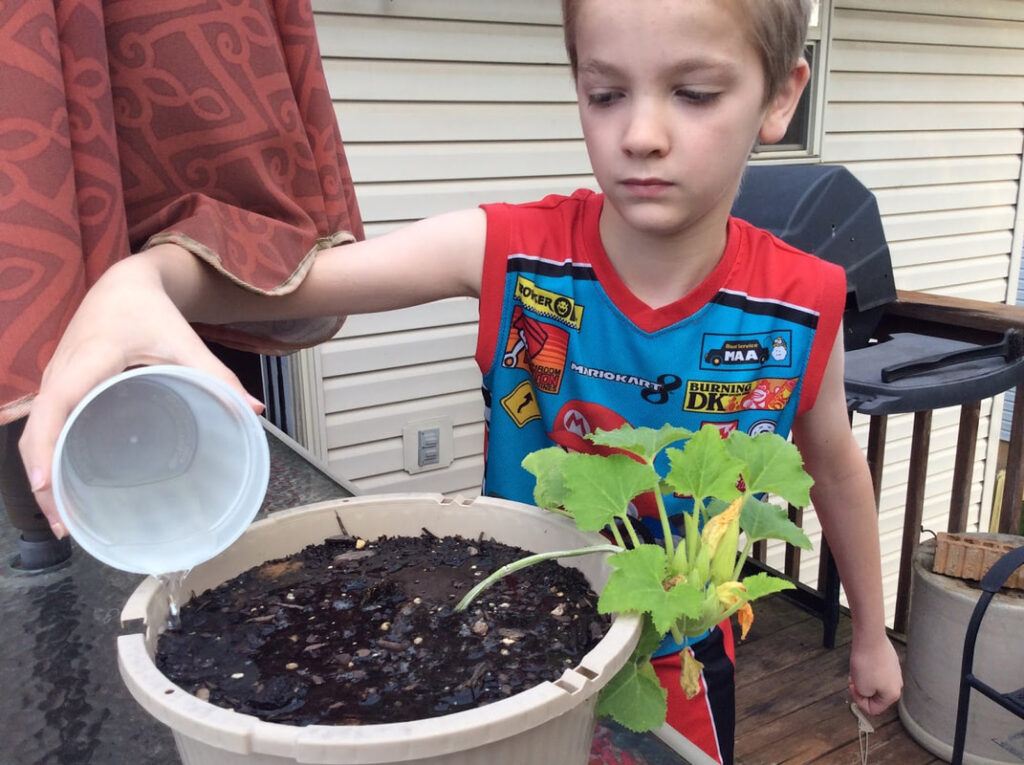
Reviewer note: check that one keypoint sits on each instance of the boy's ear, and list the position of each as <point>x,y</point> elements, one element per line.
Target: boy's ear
<point>780,110</point>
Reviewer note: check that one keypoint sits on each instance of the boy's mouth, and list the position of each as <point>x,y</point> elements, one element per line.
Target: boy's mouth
<point>646,187</point>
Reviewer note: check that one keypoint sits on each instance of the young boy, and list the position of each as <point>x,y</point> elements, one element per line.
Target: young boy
<point>594,309</point>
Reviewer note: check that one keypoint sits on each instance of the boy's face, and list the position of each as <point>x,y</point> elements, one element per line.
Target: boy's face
<point>671,98</point>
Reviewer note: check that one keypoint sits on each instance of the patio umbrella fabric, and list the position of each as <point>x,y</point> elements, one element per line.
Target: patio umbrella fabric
<point>127,123</point>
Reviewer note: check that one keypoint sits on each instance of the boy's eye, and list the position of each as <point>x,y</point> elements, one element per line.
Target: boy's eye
<point>602,97</point>
<point>698,97</point>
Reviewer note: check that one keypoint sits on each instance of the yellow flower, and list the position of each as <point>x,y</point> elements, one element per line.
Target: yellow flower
<point>746,617</point>
<point>716,528</point>
<point>689,678</point>
<point>730,593</point>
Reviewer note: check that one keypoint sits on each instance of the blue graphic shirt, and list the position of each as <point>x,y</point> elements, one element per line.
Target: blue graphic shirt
<point>565,348</point>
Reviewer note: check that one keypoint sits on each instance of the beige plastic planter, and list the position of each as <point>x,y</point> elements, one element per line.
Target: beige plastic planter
<point>550,723</point>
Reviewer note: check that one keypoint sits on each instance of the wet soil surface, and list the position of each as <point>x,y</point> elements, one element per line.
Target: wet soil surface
<point>354,632</point>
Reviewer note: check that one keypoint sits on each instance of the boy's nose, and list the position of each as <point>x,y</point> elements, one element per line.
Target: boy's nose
<point>646,133</point>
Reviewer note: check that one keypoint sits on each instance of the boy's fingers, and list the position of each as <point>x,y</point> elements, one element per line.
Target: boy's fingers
<point>878,702</point>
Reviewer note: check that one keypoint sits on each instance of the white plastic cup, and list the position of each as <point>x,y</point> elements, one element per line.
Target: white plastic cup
<point>159,469</point>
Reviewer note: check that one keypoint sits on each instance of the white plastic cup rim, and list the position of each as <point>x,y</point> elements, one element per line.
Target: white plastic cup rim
<point>253,458</point>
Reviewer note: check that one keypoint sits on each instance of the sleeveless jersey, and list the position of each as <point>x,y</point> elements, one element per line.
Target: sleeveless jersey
<point>565,348</point>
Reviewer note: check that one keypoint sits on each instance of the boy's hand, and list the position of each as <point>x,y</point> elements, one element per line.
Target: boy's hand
<point>875,677</point>
<point>125,320</point>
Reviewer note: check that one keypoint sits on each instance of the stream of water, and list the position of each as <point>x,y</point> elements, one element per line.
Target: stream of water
<point>172,583</point>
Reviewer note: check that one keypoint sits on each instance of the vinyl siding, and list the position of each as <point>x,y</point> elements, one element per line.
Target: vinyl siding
<point>444,104</point>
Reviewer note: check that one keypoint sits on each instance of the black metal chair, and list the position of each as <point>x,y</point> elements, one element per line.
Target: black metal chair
<point>1013,700</point>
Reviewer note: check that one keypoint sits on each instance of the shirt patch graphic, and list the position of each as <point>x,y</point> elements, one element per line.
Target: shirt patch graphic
<point>761,426</point>
<point>539,348</point>
<point>725,428</point>
<point>769,394</point>
<point>521,404</point>
<point>770,349</point>
<point>577,419</point>
<point>548,304</point>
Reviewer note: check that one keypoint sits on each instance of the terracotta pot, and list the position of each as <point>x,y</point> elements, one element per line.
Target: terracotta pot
<point>551,722</point>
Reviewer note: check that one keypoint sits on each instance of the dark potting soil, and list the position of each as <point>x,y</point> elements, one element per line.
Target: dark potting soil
<point>353,632</point>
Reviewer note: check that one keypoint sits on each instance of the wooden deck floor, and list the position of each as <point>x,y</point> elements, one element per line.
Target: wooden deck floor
<point>792,702</point>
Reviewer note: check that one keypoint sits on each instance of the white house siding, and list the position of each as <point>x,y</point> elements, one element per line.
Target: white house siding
<point>444,104</point>
<point>924,105</point>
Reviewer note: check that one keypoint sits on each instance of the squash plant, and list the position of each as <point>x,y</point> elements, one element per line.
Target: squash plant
<point>683,586</point>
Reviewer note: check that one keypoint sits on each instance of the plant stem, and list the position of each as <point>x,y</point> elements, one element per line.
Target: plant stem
<point>616,535</point>
<point>677,631</point>
<point>560,511</point>
<point>633,538</point>
<point>666,527</point>
<point>742,559</point>
<point>511,568</point>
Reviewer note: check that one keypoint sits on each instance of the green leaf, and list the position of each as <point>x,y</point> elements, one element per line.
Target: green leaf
<point>600,488</point>
<point>716,506</point>
<point>637,584</point>
<point>546,467</point>
<point>634,698</point>
<point>773,465</point>
<point>763,520</point>
<point>650,639</point>
<point>759,585</point>
<point>704,468</point>
<point>643,442</point>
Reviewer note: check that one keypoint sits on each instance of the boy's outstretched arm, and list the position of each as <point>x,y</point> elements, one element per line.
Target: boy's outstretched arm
<point>844,500</point>
<point>140,312</point>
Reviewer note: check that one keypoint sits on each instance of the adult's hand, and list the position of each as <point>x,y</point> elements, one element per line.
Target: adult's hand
<point>127,319</point>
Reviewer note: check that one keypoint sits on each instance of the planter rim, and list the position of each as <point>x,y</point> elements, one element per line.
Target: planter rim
<point>145,613</point>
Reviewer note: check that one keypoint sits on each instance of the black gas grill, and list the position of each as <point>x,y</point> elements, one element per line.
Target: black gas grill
<point>825,210</point>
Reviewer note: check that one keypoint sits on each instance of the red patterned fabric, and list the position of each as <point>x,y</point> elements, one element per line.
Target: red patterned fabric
<point>125,123</point>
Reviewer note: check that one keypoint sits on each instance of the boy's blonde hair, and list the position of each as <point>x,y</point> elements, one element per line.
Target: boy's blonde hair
<point>777,29</point>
